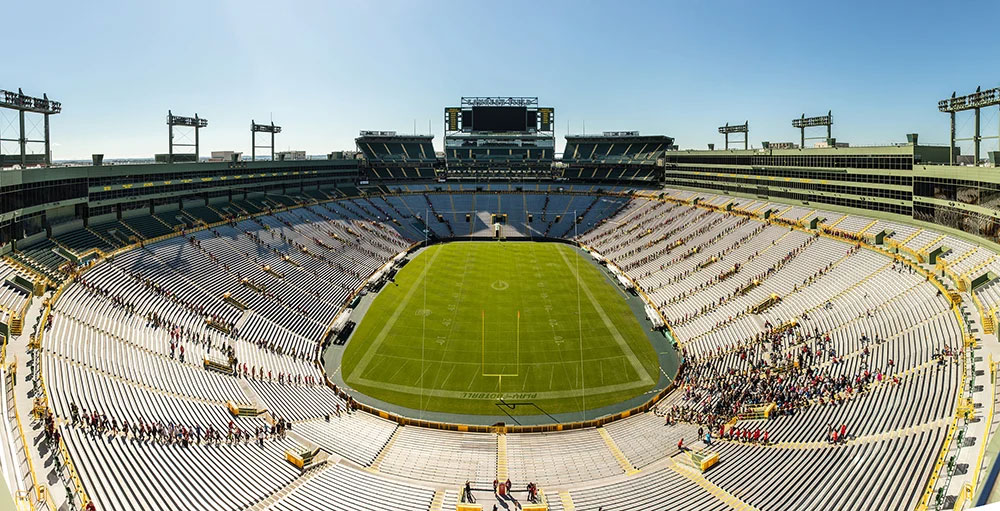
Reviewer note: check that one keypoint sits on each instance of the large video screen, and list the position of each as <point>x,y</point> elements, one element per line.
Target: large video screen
<point>499,118</point>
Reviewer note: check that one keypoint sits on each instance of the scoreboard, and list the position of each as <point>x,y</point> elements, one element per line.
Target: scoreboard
<point>451,116</point>
<point>499,135</point>
<point>499,115</point>
<point>546,118</point>
<point>500,118</point>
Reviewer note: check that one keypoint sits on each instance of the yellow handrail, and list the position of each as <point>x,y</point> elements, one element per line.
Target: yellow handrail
<point>939,464</point>
<point>24,444</point>
<point>989,420</point>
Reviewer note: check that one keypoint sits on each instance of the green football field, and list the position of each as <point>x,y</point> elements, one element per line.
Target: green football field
<point>467,324</point>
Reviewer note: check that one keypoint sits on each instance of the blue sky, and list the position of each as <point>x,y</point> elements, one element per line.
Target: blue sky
<point>325,70</point>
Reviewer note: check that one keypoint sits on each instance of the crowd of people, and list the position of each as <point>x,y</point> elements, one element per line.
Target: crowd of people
<point>97,423</point>
<point>788,367</point>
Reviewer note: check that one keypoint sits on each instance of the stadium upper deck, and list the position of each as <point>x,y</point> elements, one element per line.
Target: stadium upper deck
<point>623,148</point>
<point>905,182</point>
<point>37,199</point>
<point>395,157</point>
<point>621,156</point>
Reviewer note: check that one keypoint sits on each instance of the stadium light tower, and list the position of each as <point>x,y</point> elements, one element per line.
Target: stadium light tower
<point>191,122</point>
<point>811,122</point>
<point>27,104</point>
<point>975,101</point>
<point>265,128</point>
<point>737,128</point>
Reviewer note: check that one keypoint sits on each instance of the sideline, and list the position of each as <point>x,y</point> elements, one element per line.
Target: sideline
<point>622,343</point>
<point>389,323</point>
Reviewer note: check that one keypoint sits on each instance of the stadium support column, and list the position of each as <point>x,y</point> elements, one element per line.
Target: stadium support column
<point>976,138</point>
<point>48,150</point>
<point>23,141</point>
<point>951,147</point>
<point>170,137</point>
<point>196,138</point>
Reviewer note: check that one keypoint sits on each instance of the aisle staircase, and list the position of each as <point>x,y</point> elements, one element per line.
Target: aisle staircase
<point>623,461</point>
<point>437,503</point>
<point>695,476</point>
<point>16,324</point>
<point>989,322</point>
<point>501,457</point>
<point>102,238</point>
<point>381,454</point>
<point>278,495</point>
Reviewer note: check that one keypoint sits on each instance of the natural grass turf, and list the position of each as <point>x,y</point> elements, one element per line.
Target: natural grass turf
<point>436,339</point>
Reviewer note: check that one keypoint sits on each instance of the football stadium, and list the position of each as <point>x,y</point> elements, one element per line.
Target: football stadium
<point>502,317</point>
<point>626,326</point>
